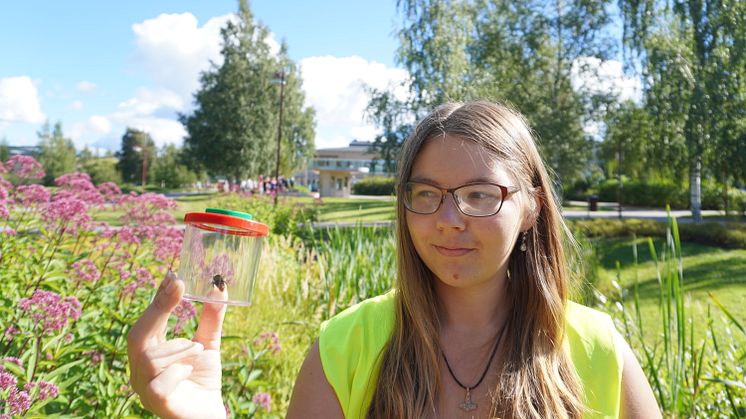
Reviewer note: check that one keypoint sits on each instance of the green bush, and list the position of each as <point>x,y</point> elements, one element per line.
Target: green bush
<point>645,194</point>
<point>375,185</point>
<point>728,235</point>
<point>660,194</point>
<point>599,227</point>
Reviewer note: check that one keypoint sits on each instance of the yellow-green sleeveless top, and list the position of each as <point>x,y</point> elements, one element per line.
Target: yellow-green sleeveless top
<point>351,344</point>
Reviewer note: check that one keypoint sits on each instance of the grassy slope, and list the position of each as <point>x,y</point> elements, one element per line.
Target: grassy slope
<point>706,269</point>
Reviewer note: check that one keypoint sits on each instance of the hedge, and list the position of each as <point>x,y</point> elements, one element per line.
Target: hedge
<point>374,185</point>
<point>727,235</point>
<point>641,194</point>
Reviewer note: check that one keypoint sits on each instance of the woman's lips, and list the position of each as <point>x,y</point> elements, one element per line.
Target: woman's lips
<point>452,251</point>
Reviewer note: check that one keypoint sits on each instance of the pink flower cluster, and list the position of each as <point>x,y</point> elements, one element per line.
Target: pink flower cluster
<point>32,195</point>
<point>50,310</point>
<point>19,401</point>
<point>147,214</point>
<point>86,271</point>
<point>142,277</point>
<point>78,185</point>
<point>271,340</point>
<point>184,312</point>
<point>24,167</point>
<point>67,212</point>
<point>110,191</point>
<point>47,390</point>
<point>168,243</point>
<point>7,380</point>
<point>96,356</point>
<point>4,187</point>
<point>263,400</point>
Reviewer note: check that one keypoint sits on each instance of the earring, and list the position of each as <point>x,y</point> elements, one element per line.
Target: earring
<point>523,241</point>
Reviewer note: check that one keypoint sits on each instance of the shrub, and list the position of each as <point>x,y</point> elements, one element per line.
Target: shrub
<point>375,185</point>
<point>642,194</point>
<point>660,194</point>
<point>729,235</point>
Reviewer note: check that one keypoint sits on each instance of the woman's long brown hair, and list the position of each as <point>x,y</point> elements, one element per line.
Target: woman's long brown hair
<point>537,378</point>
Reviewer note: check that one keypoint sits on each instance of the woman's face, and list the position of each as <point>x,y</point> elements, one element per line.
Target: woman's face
<point>464,251</point>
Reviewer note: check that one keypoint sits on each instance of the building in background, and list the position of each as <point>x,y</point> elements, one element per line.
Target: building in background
<point>333,171</point>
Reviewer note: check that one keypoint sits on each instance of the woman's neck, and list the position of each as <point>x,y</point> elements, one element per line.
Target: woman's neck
<point>473,309</point>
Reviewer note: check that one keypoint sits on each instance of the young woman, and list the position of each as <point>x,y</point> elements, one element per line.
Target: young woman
<point>478,324</point>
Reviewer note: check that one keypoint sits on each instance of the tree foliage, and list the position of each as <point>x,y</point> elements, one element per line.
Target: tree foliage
<point>169,169</point>
<point>57,153</point>
<point>523,53</point>
<point>233,129</point>
<point>693,55</point>
<point>137,149</point>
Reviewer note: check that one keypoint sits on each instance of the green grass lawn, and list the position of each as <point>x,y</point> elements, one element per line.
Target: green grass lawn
<point>706,269</point>
<point>356,210</point>
<point>346,210</point>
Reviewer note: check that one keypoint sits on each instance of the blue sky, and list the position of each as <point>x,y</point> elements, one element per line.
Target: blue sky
<point>101,66</point>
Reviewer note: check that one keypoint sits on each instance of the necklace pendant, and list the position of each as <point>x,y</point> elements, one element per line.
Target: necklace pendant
<point>468,405</point>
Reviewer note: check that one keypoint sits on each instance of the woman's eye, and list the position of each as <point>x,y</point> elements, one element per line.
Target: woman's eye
<point>478,196</point>
<point>426,194</point>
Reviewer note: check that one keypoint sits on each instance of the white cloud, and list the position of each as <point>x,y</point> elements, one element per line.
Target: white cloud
<point>174,49</point>
<point>85,86</point>
<point>605,77</point>
<point>155,113</point>
<point>335,87</point>
<point>19,101</point>
<point>92,128</point>
<point>76,105</point>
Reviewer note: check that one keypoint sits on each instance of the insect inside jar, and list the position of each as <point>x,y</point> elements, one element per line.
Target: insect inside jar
<point>219,282</point>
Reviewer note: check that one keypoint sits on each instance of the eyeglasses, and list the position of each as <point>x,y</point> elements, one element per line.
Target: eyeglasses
<point>479,199</point>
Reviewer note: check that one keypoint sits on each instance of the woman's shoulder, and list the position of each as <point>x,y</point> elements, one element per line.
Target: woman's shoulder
<point>350,344</point>
<point>593,344</point>
<point>374,309</point>
<point>589,330</point>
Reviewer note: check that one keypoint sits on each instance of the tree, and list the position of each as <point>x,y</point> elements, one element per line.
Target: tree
<point>701,45</point>
<point>102,169</point>
<point>137,149</point>
<point>57,153</point>
<point>4,150</point>
<point>233,130</point>
<point>517,52</point>
<point>169,169</point>
<point>626,143</point>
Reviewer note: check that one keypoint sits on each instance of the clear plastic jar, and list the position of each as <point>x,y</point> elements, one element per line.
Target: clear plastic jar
<point>220,256</point>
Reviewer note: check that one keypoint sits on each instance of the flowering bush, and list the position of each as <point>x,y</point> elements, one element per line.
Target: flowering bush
<point>71,289</point>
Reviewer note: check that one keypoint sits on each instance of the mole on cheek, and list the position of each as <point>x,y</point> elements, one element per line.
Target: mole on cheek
<point>455,277</point>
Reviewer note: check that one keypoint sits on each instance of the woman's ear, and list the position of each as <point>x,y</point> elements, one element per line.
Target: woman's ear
<point>534,208</point>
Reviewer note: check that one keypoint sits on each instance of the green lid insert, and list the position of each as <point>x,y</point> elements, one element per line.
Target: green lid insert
<point>238,214</point>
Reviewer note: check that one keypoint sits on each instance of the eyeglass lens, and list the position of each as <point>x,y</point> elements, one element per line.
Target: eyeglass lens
<point>480,199</point>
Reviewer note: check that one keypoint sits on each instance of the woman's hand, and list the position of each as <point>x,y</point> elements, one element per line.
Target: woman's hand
<point>178,378</point>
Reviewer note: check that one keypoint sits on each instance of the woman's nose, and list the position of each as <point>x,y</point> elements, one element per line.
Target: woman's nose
<point>448,215</point>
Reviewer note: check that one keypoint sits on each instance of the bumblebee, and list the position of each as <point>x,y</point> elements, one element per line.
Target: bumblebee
<point>219,282</point>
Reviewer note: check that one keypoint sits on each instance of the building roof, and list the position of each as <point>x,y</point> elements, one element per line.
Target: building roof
<point>357,150</point>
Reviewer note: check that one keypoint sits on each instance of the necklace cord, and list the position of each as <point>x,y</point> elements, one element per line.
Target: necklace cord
<point>484,373</point>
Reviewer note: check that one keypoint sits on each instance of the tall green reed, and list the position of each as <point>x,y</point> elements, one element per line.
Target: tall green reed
<point>691,377</point>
